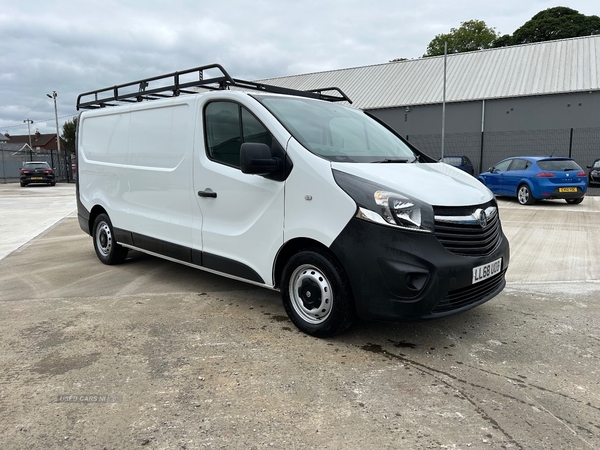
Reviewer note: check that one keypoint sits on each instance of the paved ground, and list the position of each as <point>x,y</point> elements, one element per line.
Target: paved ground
<point>152,354</point>
<point>27,212</point>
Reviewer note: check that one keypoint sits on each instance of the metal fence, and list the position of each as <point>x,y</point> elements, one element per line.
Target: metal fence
<point>486,149</point>
<point>12,161</point>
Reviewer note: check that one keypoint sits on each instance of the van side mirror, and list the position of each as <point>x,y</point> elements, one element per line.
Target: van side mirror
<point>257,159</point>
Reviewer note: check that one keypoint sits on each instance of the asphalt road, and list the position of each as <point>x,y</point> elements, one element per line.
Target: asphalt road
<point>151,354</point>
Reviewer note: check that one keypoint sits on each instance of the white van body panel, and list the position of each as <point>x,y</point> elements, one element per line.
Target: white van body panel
<point>137,164</point>
<point>316,207</point>
<point>424,182</point>
<point>244,223</point>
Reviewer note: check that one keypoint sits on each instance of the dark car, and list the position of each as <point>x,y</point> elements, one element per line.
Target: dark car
<point>531,178</point>
<point>594,175</point>
<point>461,162</point>
<point>37,172</point>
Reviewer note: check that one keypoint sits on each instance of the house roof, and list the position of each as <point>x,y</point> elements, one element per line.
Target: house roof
<point>37,139</point>
<point>561,66</point>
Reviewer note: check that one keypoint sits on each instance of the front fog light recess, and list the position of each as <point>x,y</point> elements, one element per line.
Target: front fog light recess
<point>398,210</point>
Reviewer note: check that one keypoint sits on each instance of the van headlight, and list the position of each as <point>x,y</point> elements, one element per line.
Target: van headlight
<point>397,209</point>
<point>380,205</point>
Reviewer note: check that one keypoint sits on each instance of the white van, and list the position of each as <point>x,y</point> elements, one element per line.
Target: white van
<point>292,192</point>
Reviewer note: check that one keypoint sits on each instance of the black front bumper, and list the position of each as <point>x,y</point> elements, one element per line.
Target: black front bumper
<point>397,274</point>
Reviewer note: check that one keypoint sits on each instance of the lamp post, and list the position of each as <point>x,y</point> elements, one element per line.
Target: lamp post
<point>53,96</point>
<point>28,121</point>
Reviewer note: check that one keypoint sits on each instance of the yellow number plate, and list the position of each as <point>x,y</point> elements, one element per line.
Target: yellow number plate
<point>568,189</point>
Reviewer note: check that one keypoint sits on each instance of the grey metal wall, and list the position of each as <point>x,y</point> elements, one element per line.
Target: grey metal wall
<point>491,130</point>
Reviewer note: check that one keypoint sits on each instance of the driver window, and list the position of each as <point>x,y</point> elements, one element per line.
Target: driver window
<point>223,132</point>
<point>227,126</point>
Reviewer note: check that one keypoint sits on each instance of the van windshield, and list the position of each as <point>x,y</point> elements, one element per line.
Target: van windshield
<point>337,133</point>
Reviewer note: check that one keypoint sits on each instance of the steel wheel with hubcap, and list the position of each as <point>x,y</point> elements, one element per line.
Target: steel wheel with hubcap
<point>524,195</point>
<point>107,249</point>
<point>316,294</point>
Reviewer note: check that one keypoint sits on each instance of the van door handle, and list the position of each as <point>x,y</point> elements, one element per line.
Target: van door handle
<point>208,192</point>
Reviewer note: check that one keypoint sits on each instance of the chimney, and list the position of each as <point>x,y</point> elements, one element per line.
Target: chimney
<point>37,134</point>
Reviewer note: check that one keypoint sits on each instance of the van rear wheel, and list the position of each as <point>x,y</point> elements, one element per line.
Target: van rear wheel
<point>107,249</point>
<point>316,294</point>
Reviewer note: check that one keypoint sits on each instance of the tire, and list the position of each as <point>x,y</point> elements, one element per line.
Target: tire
<point>574,201</point>
<point>524,195</point>
<point>53,183</point>
<point>23,184</point>
<point>316,294</point>
<point>107,249</point>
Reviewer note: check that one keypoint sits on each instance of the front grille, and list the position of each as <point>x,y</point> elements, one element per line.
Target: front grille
<point>469,295</point>
<point>464,235</point>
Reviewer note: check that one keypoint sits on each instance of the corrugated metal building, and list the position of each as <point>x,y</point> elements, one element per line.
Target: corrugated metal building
<point>532,99</point>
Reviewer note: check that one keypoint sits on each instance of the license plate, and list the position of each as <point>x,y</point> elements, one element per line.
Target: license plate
<point>36,178</point>
<point>488,270</point>
<point>569,189</point>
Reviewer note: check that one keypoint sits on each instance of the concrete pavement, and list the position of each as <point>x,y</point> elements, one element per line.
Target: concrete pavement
<point>27,212</point>
<point>154,354</point>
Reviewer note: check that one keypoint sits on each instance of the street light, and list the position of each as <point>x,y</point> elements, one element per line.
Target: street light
<point>28,121</point>
<point>53,96</point>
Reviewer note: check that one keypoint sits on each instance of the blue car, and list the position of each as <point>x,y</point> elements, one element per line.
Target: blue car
<point>531,178</point>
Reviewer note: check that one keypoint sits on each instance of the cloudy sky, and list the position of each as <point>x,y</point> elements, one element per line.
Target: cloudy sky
<point>76,46</point>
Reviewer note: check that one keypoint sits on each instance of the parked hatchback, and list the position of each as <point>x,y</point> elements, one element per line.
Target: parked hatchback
<point>594,175</point>
<point>37,172</point>
<point>537,178</point>
<point>460,162</point>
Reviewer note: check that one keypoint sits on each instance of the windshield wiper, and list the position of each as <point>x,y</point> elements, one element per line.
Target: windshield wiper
<point>391,161</point>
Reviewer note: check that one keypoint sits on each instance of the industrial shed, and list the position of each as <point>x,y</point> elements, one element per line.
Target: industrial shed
<point>533,99</point>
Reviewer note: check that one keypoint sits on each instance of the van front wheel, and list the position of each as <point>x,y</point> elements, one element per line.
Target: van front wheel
<point>316,294</point>
<point>107,249</point>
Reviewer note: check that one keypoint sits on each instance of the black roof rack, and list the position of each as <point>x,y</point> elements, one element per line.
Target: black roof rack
<point>141,90</point>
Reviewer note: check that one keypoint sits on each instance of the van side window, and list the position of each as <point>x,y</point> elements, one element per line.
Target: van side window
<point>223,132</point>
<point>228,125</point>
<point>253,131</point>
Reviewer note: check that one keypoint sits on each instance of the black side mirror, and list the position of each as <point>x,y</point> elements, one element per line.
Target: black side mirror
<point>257,159</point>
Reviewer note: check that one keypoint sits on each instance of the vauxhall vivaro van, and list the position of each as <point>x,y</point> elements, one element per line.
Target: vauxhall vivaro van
<point>289,190</point>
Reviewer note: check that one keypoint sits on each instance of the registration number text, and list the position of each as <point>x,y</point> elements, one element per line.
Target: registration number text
<point>488,270</point>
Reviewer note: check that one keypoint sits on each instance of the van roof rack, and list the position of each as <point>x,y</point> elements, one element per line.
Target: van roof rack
<point>172,85</point>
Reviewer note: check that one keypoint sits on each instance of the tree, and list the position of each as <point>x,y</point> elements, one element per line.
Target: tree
<point>68,133</point>
<point>503,41</point>
<point>470,36</point>
<point>556,23</point>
